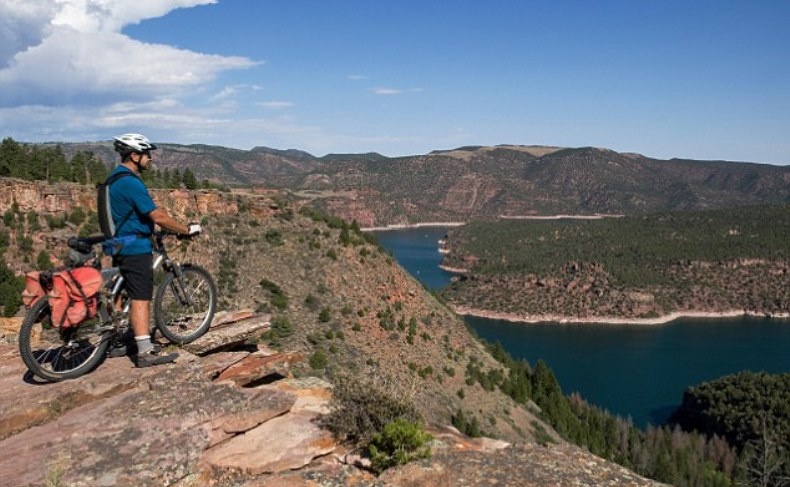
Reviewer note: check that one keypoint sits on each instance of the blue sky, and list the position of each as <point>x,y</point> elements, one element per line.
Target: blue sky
<point>672,78</point>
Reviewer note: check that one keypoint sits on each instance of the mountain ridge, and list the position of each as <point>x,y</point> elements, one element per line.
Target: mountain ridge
<point>481,182</point>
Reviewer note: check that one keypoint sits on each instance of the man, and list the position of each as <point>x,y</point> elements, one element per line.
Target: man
<point>134,213</point>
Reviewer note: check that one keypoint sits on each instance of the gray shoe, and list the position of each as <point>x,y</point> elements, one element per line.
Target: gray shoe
<point>152,357</point>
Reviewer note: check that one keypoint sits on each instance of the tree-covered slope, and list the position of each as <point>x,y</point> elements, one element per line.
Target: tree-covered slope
<point>639,266</point>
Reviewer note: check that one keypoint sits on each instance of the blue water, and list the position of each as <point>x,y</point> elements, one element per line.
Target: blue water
<point>635,371</point>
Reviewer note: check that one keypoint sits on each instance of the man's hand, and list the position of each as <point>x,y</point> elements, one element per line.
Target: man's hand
<point>194,229</point>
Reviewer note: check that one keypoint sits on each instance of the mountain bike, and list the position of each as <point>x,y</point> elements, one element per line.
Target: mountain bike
<point>184,304</point>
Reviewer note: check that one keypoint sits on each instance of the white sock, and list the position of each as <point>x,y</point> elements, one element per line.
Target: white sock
<point>144,344</point>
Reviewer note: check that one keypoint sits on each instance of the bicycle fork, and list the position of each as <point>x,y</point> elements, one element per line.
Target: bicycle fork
<point>178,285</point>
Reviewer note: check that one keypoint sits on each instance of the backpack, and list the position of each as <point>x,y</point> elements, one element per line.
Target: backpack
<point>33,289</point>
<point>113,244</point>
<point>73,294</point>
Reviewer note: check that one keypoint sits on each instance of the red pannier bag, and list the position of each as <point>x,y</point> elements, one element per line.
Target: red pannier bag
<point>33,289</point>
<point>74,296</point>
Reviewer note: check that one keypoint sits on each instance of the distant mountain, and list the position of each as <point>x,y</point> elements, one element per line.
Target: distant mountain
<point>479,182</point>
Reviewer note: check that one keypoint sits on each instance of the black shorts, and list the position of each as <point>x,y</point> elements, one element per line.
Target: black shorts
<point>138,272</point>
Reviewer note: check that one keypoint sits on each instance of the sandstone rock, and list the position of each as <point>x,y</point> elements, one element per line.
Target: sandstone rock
<point>255,367</point>
<point>216,363</point>
<point>229,335</point>
<point>152,434</point>
<point>225,317</point>
<point>312,394</point>
<point>283,443</point>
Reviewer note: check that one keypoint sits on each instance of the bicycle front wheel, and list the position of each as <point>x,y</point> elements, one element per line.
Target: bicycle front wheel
<point>184,307</point>
<point>55,354</point>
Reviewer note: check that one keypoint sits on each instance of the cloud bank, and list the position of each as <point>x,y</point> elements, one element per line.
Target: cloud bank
<point>63,51</point>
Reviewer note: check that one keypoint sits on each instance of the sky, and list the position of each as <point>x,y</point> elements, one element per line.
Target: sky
<point>671,78</point>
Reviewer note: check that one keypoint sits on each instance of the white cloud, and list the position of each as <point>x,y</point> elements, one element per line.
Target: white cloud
<point>386,91</point>
<point>66,51</point>
<point>394,91</point>
<point>276,104</point>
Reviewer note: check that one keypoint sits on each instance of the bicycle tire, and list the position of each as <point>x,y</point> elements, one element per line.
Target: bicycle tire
<point>178,321</point>
<point>53,355</point>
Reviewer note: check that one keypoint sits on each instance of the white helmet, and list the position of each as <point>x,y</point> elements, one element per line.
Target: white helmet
<point>127,143</point>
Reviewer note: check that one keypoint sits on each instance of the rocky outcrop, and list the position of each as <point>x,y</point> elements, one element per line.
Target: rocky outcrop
<point>44,198</point>
<point>216,420</point>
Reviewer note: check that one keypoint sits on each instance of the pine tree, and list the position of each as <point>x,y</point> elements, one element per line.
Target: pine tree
<point>12,156</point>
<point>189,179</point>
<point>79,168</point>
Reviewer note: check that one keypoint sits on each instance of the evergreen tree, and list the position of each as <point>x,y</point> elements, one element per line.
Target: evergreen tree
<point>11,287</point>
<point>189,179</point>
<point>79,168</point>
<point>175,179</point>
<point>59,167</point>
<point>97,171</point>
<point>12,156</point>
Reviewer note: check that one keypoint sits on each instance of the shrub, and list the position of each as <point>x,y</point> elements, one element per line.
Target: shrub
<point>281,327</point>
<point>468,427</point>
<point>318,360</point>
<point>325,315</point>
<point>398,443</point>
<point>360,408</point>
<point>277,296</point>
<point>274,237</point>
<point>77,216</point>
<point>42,261</point>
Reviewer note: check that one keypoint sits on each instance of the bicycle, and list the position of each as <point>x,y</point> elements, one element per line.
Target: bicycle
<point>184,304</point>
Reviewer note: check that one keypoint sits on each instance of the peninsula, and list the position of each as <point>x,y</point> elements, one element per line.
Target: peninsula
<point>648,269</point>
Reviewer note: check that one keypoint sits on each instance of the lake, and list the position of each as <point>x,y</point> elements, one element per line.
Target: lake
<point>637,371</point>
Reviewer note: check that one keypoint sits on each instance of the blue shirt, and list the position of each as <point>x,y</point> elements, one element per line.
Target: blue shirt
<point>131,205</point>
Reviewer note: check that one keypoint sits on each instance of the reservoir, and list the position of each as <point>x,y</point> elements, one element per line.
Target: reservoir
<point>637,371</point>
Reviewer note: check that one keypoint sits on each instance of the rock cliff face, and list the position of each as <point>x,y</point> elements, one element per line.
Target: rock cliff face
<point>60,198</point>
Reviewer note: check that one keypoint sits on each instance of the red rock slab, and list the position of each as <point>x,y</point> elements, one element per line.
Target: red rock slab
<point>284,443</point>
<point>257,366</point>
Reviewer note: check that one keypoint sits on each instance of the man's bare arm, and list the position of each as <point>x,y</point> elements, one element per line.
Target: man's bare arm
<point>161,218</point>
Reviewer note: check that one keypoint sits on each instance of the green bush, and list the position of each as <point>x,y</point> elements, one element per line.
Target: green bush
<point>318,360</point>
<point>274,237</point>
<point>276,295</point>
<point>77,216</point>
<point>360,408</point>
<point>398,443</point>
<point>468,427</point>
<point>325,315</point>
<point>282,327</point>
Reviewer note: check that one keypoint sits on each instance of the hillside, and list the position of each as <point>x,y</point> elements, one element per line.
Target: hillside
<point>471,183</point>
<point>341,304</point>
<point>636,269</point>
<point>349,303</point>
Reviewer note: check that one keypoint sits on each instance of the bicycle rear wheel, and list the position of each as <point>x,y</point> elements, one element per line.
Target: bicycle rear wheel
<point>184,308</point>
<point>54,354</point>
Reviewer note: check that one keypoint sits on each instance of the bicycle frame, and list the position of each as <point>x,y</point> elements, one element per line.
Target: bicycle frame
<point>161,260</point>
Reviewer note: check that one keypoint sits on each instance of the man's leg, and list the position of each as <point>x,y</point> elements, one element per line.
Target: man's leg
<point>140,316</point>
<point>137,269</point>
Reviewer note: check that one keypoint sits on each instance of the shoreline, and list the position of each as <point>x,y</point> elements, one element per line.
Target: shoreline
<point>596,216</point>
<point>453,270</point>
<point>611,320</point>
<point>404,226</point>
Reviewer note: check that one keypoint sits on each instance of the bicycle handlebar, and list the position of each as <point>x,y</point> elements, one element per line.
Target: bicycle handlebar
<point>85,244</point>
<point>159,234</point>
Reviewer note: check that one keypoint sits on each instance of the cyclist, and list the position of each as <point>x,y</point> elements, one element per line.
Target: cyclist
<point>134,213</point>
